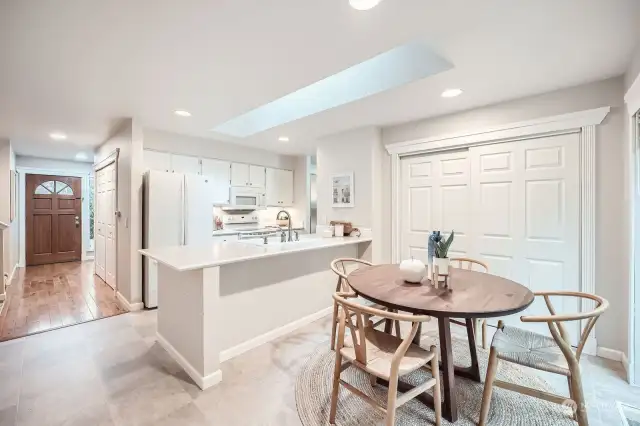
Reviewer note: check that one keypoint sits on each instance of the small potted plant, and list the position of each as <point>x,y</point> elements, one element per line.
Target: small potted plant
<point>441,259</point>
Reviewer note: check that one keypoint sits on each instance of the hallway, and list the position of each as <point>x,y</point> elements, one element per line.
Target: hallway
<point>51,296</point>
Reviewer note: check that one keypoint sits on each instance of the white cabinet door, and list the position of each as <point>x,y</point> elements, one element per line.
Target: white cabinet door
<point>257,176</point>
<point>220,173</point>
<point>240,175</point>
<point>286,187</point>
<point>272,187</point>
<point>185,164</point>
<point>279,187</point>
<point>100,241</point>
<point>156,160</point>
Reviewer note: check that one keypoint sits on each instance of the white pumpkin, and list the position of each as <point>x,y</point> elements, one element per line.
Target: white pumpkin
<point>412,270</point>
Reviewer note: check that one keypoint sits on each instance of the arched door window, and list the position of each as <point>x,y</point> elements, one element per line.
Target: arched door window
<point>53,187</point>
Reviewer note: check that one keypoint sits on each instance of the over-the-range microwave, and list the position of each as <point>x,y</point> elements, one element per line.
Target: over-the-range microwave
<point>247,198</point>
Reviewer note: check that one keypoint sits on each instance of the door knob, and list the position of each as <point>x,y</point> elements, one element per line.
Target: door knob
<point>77,221</point>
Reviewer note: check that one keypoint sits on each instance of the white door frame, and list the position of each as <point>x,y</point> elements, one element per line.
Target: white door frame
<point>632,102</point>
<point>22,171</point>
<point>582,122</point>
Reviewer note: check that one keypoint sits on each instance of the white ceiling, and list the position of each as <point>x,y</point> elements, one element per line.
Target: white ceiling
<point>78,66</point>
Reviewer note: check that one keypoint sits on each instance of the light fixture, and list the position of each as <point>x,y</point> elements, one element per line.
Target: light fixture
<point>57,136</point>
<point>364,4</point>
<point>283,139</point>
<point>81,156</point>
<point>182,113</point>
<point>451,93</point>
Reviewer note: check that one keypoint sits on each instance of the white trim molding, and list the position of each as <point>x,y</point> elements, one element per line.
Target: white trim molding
<point>272,335</point>
<point>203,382</point>
<point>614,355</point>
<point>582,122</point>
<point>565,123</point>
<point>131,307</point>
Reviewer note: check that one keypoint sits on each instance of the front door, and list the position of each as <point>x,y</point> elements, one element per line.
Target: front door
<point>53,219</point>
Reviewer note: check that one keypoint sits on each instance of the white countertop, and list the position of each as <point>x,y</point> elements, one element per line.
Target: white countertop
<point>223,232</point>
<point>186,258</point>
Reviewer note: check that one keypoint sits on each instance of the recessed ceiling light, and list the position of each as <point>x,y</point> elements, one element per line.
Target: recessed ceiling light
<point>81,156</point>
<point>451,93</point>
<point>283,139</point>
<point>364,4</point>
<point>182,113</point>
<point>57,136</point>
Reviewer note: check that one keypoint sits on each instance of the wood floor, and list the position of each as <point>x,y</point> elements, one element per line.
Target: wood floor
<point>45,297</point>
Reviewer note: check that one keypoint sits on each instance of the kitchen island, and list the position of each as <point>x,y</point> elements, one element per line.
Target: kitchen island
<point>220,300</point>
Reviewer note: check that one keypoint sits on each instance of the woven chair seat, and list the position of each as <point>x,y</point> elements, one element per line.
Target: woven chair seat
<point>530,349</point>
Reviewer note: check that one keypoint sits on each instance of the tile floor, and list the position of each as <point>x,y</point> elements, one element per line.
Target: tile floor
<point>111,372</point>
<point>45,297</point>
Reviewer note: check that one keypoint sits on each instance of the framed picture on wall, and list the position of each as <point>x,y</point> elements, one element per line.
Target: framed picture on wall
<point>342,190</point>
<point>13,182</point>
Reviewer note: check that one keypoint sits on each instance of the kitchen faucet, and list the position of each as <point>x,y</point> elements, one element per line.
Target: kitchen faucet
<point>289,219</point>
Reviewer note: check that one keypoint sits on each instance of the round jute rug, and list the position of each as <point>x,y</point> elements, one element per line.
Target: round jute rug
<point>313,396</point>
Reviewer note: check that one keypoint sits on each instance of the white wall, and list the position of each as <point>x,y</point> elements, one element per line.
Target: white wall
<point>633,70</point>
<point>39,165</point>
<point>11,235</point>
<point>209,148</point>
<point>611,224</point>
<point>128,138</point>
<point>361,152</point>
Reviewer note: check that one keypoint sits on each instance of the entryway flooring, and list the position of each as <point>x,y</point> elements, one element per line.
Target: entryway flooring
<point>46,297</point>
<point>112,372</point>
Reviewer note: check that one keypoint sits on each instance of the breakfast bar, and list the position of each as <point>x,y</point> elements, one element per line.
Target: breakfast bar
<point>219,300</point>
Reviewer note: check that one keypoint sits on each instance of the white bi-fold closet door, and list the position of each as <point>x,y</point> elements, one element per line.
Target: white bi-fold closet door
<point>513,205</point>
<point>105,224</point>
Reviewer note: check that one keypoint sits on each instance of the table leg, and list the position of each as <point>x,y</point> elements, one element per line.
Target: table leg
<point>449,403</point>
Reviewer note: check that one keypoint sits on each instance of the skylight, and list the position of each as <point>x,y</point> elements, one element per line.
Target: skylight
<point>391,69</point>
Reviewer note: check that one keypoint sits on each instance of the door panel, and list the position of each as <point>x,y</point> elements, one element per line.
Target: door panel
<point>110,224</point>
<point>100,242</point>
<point>53,218</point>
<point>435,190</point>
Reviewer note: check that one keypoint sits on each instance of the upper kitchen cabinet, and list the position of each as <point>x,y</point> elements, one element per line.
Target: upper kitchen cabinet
<point>279,187</point>
<point>247,175</point>
<point>220,172</point>
<point>156,160</point>
<point>185,164</point>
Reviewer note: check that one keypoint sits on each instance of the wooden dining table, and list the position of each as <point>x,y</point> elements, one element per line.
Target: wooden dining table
<point>469,295</point>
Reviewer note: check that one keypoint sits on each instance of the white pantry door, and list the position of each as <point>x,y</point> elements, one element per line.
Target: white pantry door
<point>526,218</point>
<point>435,196</point>
<point>110,222</point>
<point>100,241</point>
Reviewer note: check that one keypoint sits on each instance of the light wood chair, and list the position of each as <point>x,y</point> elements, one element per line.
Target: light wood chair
<point>466,263</point>
<point>383,356</point>
<point>534,350</point>
<point>342,267</point>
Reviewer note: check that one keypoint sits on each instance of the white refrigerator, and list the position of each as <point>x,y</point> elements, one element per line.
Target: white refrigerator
<point>178,210</point>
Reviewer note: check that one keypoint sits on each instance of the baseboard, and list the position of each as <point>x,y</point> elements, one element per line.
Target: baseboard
<point>591,346</point>
<point>203,382</point>
<point>614,355</point>
<point>131,307</point>
<point>13,273</point>
<point>272,335</point>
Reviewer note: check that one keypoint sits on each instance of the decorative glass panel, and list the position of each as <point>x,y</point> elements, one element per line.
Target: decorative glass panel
<point>63,189</point>
<point>45,188</point>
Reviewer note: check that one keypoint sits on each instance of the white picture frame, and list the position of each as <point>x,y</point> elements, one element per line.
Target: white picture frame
<point>342,190</point>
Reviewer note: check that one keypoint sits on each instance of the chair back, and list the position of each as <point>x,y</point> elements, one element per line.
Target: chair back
<point>467,263</point>
<point>555,321</point>
<point>350,310</point>
<point>343,267</point>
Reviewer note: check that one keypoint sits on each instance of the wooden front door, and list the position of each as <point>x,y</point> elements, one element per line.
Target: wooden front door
<point>53,219</point>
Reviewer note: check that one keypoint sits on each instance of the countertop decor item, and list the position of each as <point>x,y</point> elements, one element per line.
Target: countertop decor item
<point>342,190</point>
<point>348,227</point>
<point>412,270</point>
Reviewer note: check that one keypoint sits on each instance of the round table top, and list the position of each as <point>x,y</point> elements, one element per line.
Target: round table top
<point>471,294</point>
